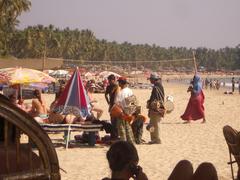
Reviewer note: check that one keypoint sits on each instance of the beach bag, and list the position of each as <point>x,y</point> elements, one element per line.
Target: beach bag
<point>117,112</point>
<point>131,105</point>
<point>131,100</point>
<point>156,107</point>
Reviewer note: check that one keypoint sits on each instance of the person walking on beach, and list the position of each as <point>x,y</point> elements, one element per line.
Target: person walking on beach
<point>123,125</point>
<point>206,83</point>
<point>110,94</point>
<point>195,108</point>
<point>155,113</point>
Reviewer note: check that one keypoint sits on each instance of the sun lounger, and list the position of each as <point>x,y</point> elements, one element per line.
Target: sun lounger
<point>71,128</point>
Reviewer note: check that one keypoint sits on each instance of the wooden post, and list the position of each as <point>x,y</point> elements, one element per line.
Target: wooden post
<point>44,56</point>
<point>194,61</point>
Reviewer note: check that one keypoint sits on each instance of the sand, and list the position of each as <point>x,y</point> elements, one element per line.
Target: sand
<point>195,141</point>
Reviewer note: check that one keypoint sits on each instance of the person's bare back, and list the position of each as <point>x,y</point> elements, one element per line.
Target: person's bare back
<point>38,107</point>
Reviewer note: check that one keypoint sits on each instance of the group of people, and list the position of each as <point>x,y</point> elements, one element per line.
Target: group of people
<point>38,108</point>
<point>127,122</point>
<point>117,97</point>
<point>117,94</point>
<point>122,156</point>
<point>216,84</point>
<point>211,83</point>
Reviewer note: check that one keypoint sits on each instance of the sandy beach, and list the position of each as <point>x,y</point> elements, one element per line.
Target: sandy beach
<point>195,141</point>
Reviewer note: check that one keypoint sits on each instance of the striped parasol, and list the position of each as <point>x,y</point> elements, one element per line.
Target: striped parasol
<point>74,99</point>
<point>23,76</point>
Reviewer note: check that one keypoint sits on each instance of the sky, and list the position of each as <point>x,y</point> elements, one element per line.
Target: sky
<point>190,23</point>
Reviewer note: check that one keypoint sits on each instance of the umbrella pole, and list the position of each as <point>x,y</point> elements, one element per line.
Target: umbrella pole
<point>21,93</point>
<point>195,64</point>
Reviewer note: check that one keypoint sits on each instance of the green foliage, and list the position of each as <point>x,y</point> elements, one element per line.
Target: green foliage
<point>82,45</point>
<point>9,11</point>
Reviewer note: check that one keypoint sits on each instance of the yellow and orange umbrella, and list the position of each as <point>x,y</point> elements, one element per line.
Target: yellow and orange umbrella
<point>23,76</point>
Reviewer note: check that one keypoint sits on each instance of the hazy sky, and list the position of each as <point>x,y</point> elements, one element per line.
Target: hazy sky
<point>190,23</point>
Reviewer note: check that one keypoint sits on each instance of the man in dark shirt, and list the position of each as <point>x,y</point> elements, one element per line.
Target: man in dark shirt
<point>110,95</point>
<point>157,95</point>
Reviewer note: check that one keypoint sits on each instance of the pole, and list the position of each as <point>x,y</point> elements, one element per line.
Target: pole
<point>44,56</point>
<point>194,61</point>
<point>136,78</point>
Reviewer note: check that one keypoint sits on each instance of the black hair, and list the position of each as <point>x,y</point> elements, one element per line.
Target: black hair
<point>111,77</point>
<point>123,82</point>
<point>121,154</point>
<point>37,94</point>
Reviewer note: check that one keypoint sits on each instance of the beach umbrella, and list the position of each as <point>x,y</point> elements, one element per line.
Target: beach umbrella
<point>59,73</point>
<point>48,71</point>
<point>88,74</point>
<point>105,74</point>
<point>24,76</point>
<point>74,99</point>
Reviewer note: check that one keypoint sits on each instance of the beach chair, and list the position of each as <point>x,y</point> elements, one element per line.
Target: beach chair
<point>68,128</point>
<point>19,133</point>
<point>232,138</point>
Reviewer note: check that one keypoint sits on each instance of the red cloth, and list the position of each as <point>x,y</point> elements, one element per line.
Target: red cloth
<point>195,108</point>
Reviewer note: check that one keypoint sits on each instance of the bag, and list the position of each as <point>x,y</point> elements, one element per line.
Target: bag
<point>131,105</point>
<point>156,107</point>
<point>131,100</point>
<point>129,110</point>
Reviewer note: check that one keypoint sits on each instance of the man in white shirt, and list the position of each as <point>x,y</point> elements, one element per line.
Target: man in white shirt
<point>124,127</point>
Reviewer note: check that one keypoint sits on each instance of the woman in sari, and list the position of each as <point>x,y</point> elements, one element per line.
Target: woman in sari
<point>195,108</point>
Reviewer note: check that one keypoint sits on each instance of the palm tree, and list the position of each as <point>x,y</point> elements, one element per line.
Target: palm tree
<point>9,11</point>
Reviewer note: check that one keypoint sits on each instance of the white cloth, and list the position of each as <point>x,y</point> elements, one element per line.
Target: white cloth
<point>120,98</point>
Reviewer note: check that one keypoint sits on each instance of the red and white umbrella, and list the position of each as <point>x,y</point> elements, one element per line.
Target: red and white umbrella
<point>74,99</point>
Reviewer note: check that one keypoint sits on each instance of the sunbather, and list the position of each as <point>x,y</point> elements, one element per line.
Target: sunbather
<point>39,108</point>
<point>90,90</point>
<point>19,103</point>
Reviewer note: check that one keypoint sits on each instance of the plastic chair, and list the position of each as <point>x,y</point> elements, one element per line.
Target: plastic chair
<point>232,138</point>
